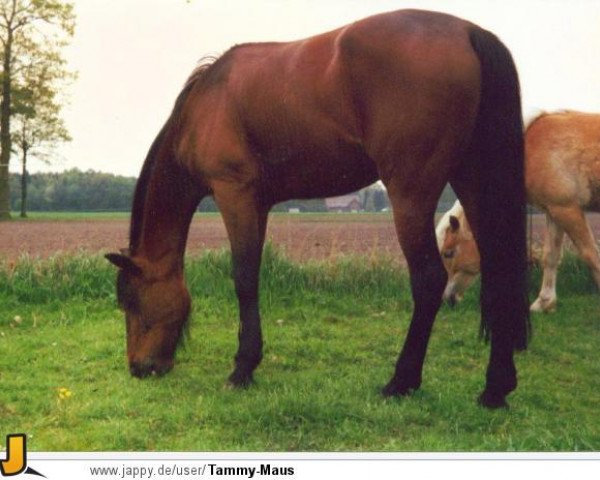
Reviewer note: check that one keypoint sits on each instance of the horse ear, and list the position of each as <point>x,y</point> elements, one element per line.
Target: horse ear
<point>123,261</point>
<point>454,223</point>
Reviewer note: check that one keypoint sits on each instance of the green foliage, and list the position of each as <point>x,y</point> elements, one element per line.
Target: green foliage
<point>332,333</point>
<point>374,198</point>
<point>74,190</point>
<point>33,34</point>
<point>77,191</point>
<point>312,205</point>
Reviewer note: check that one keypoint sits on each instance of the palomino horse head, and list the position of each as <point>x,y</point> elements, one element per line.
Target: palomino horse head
<point>459,252</point>
<point>156,310</point>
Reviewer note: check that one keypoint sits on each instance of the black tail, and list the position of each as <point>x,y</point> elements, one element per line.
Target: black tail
<point>498,144</point>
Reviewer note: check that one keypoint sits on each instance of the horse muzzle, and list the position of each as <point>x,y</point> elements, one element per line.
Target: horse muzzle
<point>451,296</point>
<point>451,299</point>
<point>145,368</point>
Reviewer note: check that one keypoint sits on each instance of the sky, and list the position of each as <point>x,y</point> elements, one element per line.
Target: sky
<point>133,56</point>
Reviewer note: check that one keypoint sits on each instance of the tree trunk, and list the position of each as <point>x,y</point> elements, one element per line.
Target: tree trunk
<point>24,184</point>
<point>5,131</point>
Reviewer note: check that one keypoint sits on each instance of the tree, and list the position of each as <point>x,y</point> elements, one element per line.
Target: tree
<point>30,30</point>
<point>38,126</point>
<point>374,197</point>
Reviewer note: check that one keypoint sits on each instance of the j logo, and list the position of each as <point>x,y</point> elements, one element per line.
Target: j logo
<point>15,462</point>
<point>16,457</point>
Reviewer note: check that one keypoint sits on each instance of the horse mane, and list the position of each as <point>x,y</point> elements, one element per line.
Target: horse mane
<point>205,73</point>
<point>444,222</point>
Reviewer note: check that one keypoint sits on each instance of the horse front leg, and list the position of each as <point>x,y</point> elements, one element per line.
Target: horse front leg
<point>246,221</point>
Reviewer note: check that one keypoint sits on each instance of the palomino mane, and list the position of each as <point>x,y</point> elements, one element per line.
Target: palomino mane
<point>202,74</point>
<point>444,222</point>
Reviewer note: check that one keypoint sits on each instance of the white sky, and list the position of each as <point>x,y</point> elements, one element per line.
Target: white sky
<point>133,57</point>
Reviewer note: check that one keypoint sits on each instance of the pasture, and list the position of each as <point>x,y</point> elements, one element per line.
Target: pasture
<point>332,324</point>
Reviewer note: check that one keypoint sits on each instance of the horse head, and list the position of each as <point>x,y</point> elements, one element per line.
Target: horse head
<point>156,306</point>
<point>459,253</point>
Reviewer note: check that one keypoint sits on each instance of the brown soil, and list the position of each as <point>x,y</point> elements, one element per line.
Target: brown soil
<point>301,237</point>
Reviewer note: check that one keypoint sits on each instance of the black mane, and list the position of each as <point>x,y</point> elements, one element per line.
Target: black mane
<point>201,74</point>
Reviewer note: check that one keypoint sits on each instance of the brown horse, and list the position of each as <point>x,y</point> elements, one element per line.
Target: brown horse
<point>562,173</point>
<point>413,98</point>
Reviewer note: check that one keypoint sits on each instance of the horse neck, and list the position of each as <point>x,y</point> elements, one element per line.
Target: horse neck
<point>165,200</point>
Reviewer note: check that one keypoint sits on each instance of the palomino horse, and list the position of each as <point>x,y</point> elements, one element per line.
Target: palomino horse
<point>459,252</point>
<point>413,98</point>
<point>562,175</point>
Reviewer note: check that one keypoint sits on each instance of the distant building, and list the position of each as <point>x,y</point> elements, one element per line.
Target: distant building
<point>344,203</point>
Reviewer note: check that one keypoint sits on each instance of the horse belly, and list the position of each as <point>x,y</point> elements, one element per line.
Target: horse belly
<point>309,173</point>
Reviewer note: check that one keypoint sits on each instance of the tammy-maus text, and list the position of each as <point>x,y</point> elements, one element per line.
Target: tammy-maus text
<point>249,472</point>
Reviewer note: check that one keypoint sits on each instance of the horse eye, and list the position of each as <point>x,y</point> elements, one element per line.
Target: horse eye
<point>448,254</point>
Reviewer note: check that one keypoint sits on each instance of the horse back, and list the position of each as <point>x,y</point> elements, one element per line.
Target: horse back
<point>333,105</point>
<point>562,153</point>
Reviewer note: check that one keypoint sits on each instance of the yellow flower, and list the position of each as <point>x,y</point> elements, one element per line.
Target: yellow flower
<point>64,393</point>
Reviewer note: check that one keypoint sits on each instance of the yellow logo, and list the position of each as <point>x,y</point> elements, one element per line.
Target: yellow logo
<point>16,457</point>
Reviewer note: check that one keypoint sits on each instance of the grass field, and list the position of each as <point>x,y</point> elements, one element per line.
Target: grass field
<point>332,332</point>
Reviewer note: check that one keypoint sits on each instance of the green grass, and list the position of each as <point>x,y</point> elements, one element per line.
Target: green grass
<point>332,332</point>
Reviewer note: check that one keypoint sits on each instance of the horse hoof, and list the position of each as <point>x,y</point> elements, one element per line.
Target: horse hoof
<point>238,380</point>
<point>543,306</point>
<point>492,400</point>
<point>398,389</point>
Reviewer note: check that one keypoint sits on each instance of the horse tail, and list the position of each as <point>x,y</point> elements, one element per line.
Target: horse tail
<point>499,152</point>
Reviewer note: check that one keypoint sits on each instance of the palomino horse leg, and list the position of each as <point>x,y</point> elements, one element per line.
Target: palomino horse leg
<point>572,220</point>
<point>546,300</point>
<point>415,228</point>
<point>246,223</point>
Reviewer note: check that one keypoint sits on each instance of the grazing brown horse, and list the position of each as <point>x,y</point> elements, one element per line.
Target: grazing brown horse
<point>413,98</point>
<point>562,173</point>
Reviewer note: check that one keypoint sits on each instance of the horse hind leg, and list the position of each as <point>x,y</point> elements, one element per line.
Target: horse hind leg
<point>546,299</point>
<point>572,220</point>
<point>414,221</point>
<point>245,220</point>
<point>501,376</point>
